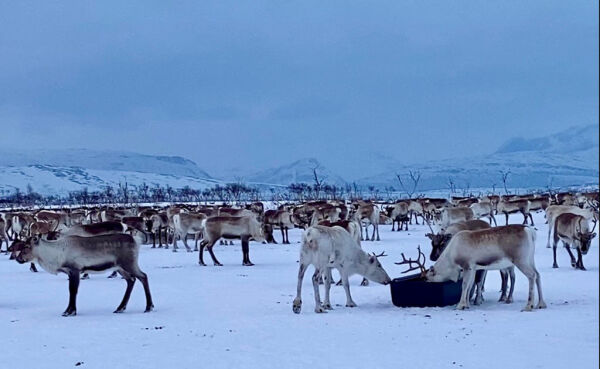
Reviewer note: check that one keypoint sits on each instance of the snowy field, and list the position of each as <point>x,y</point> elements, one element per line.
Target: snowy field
<point>241,317</point>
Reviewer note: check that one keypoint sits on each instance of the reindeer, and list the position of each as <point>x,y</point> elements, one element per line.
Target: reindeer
<point>3,235</point>
<point>554,211</point>
<point>243,228</point>
<point>484,209</point>
<point>281,219</point>
<point>515,206</point>
<point>399,213</point>
<point>157,224</point>
<point>333,247</point>
<point>352,227</point>
<point>369,213</point>
<point>439,242</point>
<point>188,223</point>
<point>494,248</point>
<point>58,219</point>
<point>454,215</point>
<point>73,254</point>
<point>573,231</point>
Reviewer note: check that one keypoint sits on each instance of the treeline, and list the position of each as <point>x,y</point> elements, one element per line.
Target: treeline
<point>125,193</point>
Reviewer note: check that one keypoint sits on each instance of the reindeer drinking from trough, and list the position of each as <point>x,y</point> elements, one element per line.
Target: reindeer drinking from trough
<point>487,249</point>
<point>333,247</point>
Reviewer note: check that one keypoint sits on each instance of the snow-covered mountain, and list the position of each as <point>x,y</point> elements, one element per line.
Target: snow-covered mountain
<point>564,159</point>
<point>298,171</point>
<point>61,171</point>
<point>568,158</point>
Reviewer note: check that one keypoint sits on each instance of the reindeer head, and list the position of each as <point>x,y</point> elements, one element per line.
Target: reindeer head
<point>585,238</point>
<point>439,242</point>
<point>24,249</point>
<point>374,270</point>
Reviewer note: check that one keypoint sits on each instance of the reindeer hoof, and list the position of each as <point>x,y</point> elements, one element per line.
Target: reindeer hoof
<point>365,282</point>
<point>327,307</point>
<point>351,304</point>
<point>527,308</point>
<point>218,264</point>
<point>201,263</point>
<point>320,310</point>
<point>509,300</point>
<point>119,311</point>
<point>555,266</point>
<point>461,307</point>
<point>149,309</point>
<point>541,305</point>
<point>249,263</point>
<point>69,313</point>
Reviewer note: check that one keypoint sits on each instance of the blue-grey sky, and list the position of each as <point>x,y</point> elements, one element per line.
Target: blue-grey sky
<point>253,84</point>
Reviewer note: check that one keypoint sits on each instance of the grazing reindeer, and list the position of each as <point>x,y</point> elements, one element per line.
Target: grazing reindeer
<point>573,231</point>
<point>368,213</point>
<point>188,223</point>
<point>554,211</point>
<point>515,206</point>
<point>494,248</point>
<point>73,254</point>
<point>333,247</point>
<point>243,228</point>
<point>281,219</point>
<point>484,209</point>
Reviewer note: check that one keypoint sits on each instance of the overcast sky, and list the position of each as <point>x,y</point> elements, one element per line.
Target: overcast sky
<point>256,84</point>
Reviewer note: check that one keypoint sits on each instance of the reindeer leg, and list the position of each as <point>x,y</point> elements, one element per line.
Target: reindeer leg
<point>246,251</point>
<point>203,243</point>
<point>33,268</point>
<point>538,281</point>
<point>468,279</point>
<point>580,260</point>
<point>315,282</point>
<point>212,255</point>
<point>297,305</point>
<point>504,288</point>
<point>346,283</point>
<point>531,218</point>
<point>153,240</point>
<point>196,241</point>
<point>531,274</point>
<point>137,273</point>
<point>506,214</point>
<point>185,243</point>
<point>287,235</point>
<point>377,228</point>
<point>554,247</point>
<point>327,279</point>
<point>374,229</point>
<point>568,248</point>
<point>511,274</point>
<point>73,287</point>
<point>524,217</point>
<point>130,282</point>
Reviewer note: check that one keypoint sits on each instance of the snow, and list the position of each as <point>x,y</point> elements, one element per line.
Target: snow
<point>235,316</point>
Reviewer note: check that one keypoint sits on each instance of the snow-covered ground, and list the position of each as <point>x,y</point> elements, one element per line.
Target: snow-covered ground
<point>241,317</point>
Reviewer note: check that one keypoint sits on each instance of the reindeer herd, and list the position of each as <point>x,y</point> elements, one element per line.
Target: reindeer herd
<point>78,241</point>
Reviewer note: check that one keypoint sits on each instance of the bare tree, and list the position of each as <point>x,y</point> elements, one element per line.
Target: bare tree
<point>415,177</point>
<point>451,186</point>
<point>505,174</point>
<point>319,181</point>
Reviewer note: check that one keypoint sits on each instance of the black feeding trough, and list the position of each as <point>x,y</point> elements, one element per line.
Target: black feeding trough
<point>415,291</point>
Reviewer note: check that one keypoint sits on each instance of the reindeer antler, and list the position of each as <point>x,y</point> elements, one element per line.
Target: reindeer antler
<point>429,225</point>
<point>379,255</point>
<point>419,265</point>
